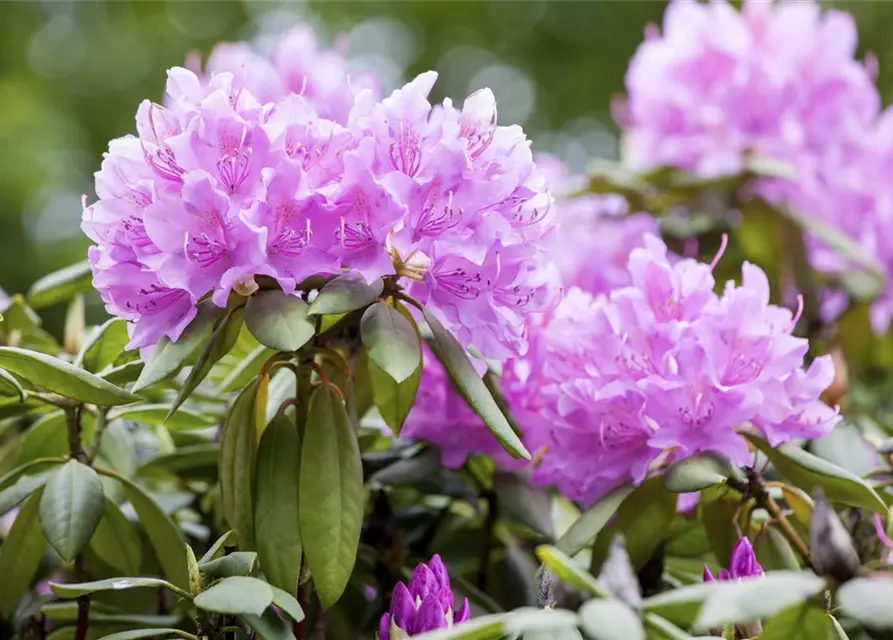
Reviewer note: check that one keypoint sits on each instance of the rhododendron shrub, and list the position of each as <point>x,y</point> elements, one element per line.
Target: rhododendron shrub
<point>374,369</point>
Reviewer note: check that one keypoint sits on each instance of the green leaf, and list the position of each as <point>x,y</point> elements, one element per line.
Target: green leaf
<point>136,634</point>
<point>168,357</point>
<point>472,388</point>
<point>868,601</point>
<point>279,321</point>
<point>839,633</point>
<point>10,387</point>
<point>717,508</point>
<point>807,472</point>
<point>276,519</point>
<point>155,414</point>
<point>12,496</point>
<point>660,629</point>
<point>288,604</point>
<point>240,563</point>
<point>247,368</point>
<point>531,505</point>
<point>391,341</point>
<point>804,622</point>
<point>238,450</point>
<point>116,542</point>
<point>331,493</point>
<point>566,570</point>
<point>62,377</point>
<point>20,555</point>
<point>346,293</point>
<point>712,605</point>
<point>236,595</point>
<point>610,620</point>
<point>104,346</point>
<point>222,340</point>
<point>162,532</point>
<point>46,437</point>
<point>644,519</point>
<point>78,589</point>
<point>269,626</point>
<point>393,399</point>
<point>199,460</point>
<point>585,529</point>
<point>773,551</point>
<point>490,627</point>
<point>61,285</point>
<point>530,620</point>
<point>71,508</point>
<point>228,539</point>
<point>697,472</point>
<point>124,373</point>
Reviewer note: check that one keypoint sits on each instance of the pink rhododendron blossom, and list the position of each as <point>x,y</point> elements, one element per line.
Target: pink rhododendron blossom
<point>285,169</point>
<point>662,369</point>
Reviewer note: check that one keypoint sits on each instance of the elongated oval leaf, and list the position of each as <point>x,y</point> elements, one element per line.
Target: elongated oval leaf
<point>78,589</point>
<point>868,601</point>
<point>123,373</point>
<point>116,541</point>
<point>268,626</point>
<point>104,346</point>
<point>10,497</point>
<point>279,321</point>
<point>491,627</point>
<point>47,437</point>
<point>10,387</point>
<point>807,472</point>
<point>238,450</point>
<point>167,357</point>
<point>222,340</point>
<point>164,536</point>
<point>346,293</point>
<point>155,414</point>
<point>62,377</point>
<point>585,529</point>
<point>331,494</point>
<point>697,472</point>
<point>61,285</point>
<point>71,508</point>
<point>217,549</point>
<point>137,634</point>
<point>240,563</point>
<point>276,520</point>
<point>288,604</point>
<point>237,595</point>
<point>803,622</point>
<point>392,342</point>
<point>611,620</point>
<point>470,385</point>
<point>566,570</point>
<point>20,554</point>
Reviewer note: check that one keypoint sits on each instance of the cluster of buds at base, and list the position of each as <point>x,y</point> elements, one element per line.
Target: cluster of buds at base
<point>425,605</point>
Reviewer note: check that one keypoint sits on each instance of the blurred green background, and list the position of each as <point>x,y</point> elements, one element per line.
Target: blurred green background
<point>73,73</point>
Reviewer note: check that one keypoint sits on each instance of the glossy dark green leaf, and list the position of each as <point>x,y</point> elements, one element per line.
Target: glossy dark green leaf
<point>77,589</point>
<point>238,450</point>
<point>155,414</point>
<point>807,472</point>
<point>276,519</point>
<point>391,341</point>
<point>71,508</point>
<point>116,541</point>
<point>239,563</point>
<point>346,293</point>
<point>470,385</point>
<point>643,519</point>
<point>104,346</point>
<point>611,620</point>
<point>699,471</point>
<point>163,534</point>
<point>269,626</point>
<point>62,377</point>
<point>585,529</point>
<point>61,285</point>
<point>279,321</point>
<point>803,622</point>
<point>569,572</point>
<point>20,554</point>
<point>236,595</point>
<point>331,492</point>
<point>868,600</point>
<point>10,387</point>
<point>167,357</point>
<point>222,340</point>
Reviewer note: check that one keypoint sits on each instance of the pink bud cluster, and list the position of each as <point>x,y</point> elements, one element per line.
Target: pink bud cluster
<point>287,168</point>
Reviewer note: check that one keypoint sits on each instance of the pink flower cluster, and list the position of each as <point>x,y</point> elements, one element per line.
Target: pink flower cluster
<point>665,368</point>
<point>284,168</point>
<point>779,80</point>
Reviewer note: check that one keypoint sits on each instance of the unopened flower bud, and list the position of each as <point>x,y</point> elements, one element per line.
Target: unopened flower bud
<point>830,545</point>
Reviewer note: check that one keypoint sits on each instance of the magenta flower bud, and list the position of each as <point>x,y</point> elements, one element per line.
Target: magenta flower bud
<point>744,563</point>
<point>708,577</point>
<point>426,604</point>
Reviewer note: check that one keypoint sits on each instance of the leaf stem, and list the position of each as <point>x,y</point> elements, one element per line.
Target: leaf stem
<point>768,503</point>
